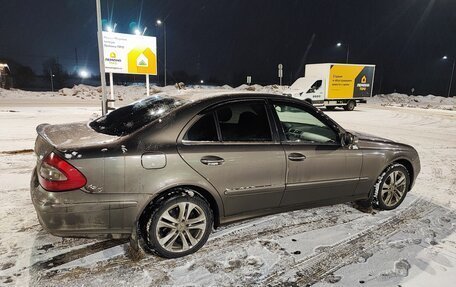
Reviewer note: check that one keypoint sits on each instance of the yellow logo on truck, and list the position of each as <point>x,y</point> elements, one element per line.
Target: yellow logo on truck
<point>142,61</point>
<point>112,55</point>
<point>364,79</point>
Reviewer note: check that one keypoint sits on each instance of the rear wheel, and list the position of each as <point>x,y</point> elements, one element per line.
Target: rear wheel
<point>391,187</point>
<point>350,106</point>
<point>179,226</point>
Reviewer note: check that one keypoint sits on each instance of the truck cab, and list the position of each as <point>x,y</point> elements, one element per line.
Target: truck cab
<point>309,89</point>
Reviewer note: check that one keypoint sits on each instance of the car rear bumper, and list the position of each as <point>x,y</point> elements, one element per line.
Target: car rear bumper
<point>61,217</point>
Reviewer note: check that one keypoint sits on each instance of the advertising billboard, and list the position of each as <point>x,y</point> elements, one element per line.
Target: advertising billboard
<point>350,81</point>
<point>129,54</point>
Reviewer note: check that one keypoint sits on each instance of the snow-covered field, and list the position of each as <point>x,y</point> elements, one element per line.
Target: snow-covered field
<point>339,245</point>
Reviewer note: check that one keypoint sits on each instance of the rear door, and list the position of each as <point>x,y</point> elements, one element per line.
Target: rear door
<point>234,148</point>
<point>318,167</point>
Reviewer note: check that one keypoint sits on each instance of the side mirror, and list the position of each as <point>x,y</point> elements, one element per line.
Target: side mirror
<point>348,139</point>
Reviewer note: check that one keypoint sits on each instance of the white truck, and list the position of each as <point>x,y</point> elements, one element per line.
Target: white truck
<point>334,85</point>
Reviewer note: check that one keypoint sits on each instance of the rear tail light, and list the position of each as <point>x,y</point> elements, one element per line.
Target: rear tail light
<point>56,174</point>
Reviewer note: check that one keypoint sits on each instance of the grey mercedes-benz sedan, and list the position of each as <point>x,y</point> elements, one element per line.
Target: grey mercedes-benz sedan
<point>169,168</point>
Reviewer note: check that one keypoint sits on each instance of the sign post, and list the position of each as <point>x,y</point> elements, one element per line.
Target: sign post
<point>280,67</point>
<point>249,80</point>
<point>147,85</point>
<point>111,84</point>
<point>102,62</point>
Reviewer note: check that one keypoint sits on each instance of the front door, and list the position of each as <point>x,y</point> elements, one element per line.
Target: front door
<point>318,167</point>
<point>233,148</point>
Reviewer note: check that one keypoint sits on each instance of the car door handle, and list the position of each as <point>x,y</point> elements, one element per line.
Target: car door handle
<point>212,160</point>
<point>294,156</point>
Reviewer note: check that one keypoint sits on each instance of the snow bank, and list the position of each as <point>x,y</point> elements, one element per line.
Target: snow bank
<point>424,102</point>
<point>127,94</point>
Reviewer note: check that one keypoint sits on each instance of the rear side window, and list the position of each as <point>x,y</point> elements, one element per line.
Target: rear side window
<point>244,122</point>
<point>128,119</point>
<point>203,130</point>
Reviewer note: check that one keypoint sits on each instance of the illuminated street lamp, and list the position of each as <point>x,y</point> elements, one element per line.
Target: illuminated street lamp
<point>84,74</point>
<point>339,44</point>
<point>202,81</point>
<point>162,23</point>
<point>138,32</point>
<point>452,73</point>
<point>110,28</point>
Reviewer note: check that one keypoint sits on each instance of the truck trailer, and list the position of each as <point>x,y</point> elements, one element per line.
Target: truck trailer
<point>334,85</point>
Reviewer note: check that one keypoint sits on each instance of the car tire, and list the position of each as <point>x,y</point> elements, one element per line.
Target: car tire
<point>350,106</point>
<point>179,225</point>
<point>391,187</point>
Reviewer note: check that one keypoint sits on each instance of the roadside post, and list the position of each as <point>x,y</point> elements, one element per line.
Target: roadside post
<point>280,67</point>
<point>249,80</point>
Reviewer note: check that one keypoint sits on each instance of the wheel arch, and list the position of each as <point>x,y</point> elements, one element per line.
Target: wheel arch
<point>408,165</point>
<point>215,206</point>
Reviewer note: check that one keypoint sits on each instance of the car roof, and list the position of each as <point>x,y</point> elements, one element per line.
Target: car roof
<point>214,95</point>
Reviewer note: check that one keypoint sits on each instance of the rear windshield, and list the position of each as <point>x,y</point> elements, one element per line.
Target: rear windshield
<point>128,119</point>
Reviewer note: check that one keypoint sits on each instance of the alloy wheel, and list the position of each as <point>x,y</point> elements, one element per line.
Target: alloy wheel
<point>394,188</point>
<point>181,226</point>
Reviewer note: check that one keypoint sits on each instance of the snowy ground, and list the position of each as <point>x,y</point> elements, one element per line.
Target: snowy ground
<point>339,245</point>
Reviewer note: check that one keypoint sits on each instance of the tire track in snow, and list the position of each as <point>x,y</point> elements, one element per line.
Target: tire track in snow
<point>315,267</point>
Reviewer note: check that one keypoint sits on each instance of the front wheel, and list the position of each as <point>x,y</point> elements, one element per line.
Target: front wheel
<point>392,187</point>
<point>350,106</point>
<point>179,226</point>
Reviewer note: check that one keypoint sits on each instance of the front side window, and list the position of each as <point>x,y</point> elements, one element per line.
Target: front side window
<point>301,126</point>
<point>244,122</point>
<point>315,87</point>
<point>203,130</point>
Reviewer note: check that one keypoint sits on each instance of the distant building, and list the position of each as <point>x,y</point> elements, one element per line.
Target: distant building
<point>5,76</point>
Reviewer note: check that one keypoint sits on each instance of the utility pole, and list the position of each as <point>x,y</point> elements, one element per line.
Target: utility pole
<point>451,78</point>
<point>101,58</point>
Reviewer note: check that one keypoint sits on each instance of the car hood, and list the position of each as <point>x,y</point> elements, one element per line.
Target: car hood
<point>367,140</point>
<point>73,135</point>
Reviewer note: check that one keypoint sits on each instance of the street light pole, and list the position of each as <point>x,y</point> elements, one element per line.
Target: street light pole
<point>159,23</point>
<point>51,74</point>
<point>348,52</point>
<point>164,32</point>
<point>101,58</point>
<point>339,44</point>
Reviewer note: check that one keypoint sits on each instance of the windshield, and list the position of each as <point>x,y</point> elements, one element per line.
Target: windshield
<point>130,118</point>
<point>302,84</point>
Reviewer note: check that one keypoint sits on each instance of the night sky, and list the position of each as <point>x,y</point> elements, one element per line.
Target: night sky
<point>228,40</point>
